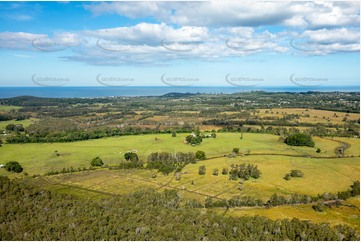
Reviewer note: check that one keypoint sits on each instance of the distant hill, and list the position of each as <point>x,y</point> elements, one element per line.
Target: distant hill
<point>178,94</point>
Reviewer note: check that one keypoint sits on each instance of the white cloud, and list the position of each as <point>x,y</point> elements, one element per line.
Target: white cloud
<point>38,42</point>
<point>341,35</point>
<point>20,17</point>
<point>18,40</point>
<point>151,34</point>
<point>328,41</point>
<point>238,13</point>
<point>160,44</point>
<point>132,10</point>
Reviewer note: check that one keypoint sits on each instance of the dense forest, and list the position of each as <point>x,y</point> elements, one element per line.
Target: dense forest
<point>28,213</point>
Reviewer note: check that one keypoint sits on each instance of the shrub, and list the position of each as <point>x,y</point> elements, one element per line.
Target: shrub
<point>13,166</point>
<point>300,140</point>
<point>200,155</point>
<point>131,156</point>
<point>215,172</point>
<point>224,171</point>
<point>319,207</point>
<point>318,150</point>
<point>194,139</point>
<point>96,162</point>
<point>287,177</point>
<point>296,173</point>
<point>202,170</point>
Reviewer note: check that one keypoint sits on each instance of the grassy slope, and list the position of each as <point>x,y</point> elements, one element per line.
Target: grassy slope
<point>321,175</point>
<point>41,158</point>
<point>25,122</point>
<point>343,214</point>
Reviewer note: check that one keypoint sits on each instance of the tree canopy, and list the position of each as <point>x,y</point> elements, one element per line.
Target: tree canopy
<point>300,140</point>
<point>13,166</point>
<point>96,162</point>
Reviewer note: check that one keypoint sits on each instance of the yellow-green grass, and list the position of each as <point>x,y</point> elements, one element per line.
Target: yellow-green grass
<point>334,216</point>
<point>321,175</point>
<point>315,116</point>
<point>25,122</point>
<point>41,158</point>
<point>312,112</point>
<point>103,183</point>
<point>355,145</point>
<point>5,108</point>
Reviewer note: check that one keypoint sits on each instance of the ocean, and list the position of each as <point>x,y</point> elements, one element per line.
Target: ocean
<point>131,91</point>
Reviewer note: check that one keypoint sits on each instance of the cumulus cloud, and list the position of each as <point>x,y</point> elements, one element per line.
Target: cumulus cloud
<point>18,40</point>
<point>161,44</point>
<point>238,13</point>
<point>206,31</point>
<point>327,41</point>
<point>151,34</point>
<point>38,42</point>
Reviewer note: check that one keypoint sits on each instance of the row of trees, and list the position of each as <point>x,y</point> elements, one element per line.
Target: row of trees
<point>244,171</point>
<point>69,170</point>
<point>277,200</point>
<point>166,162</point>
<point>49,136</point>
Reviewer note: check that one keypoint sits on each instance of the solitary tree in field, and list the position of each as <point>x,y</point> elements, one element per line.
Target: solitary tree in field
<point>296,173</point>
<point>96,162</point>
<point>174,134</point>
<point>215,172</point>
<point>200,155</point>
<point>202,170</point>
<point>131,156</point>
<point>13,166</point>
<point>287,177</point>
<point>194,139</point>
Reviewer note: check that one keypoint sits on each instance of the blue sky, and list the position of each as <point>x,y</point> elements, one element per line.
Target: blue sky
<point>216,43</point>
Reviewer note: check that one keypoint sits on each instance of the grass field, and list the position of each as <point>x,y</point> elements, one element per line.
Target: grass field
<point>4,108</point>
<point>314,115</point>
<point>348,213</point>
<point>25,123</point>
<point>41,158</point>
<point>273,158</point>
<point>321,176</point>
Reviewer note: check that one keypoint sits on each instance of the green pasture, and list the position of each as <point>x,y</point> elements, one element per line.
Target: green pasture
<point>39,158</point>
<point>6,108</point>
<point>321,175</point>
<point>344,214</point>
<point>25,123</point>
